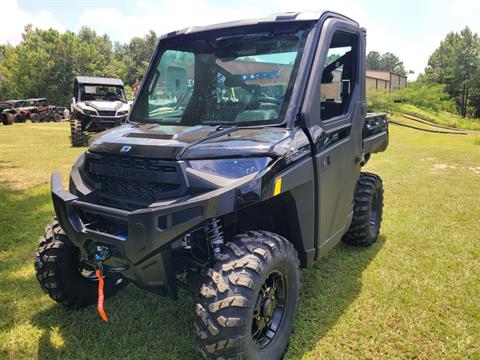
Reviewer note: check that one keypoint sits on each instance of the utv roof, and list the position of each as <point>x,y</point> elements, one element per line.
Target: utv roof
<point>278,17</point>
<point>98,81</point>
<point>36,99</point>
<point>10,101</point>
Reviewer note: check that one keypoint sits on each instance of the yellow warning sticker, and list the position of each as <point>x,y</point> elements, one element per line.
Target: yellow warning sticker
<point>278,187</point>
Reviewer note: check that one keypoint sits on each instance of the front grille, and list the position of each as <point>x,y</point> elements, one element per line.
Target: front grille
<point>137,189</point>
<point>131,162</point>
<point>142,180</point>
<point>106,113</point>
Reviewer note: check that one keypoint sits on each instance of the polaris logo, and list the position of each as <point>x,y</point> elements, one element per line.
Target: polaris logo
<point>125,149</point>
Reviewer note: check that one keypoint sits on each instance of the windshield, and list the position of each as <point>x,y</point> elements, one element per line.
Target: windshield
<point>42,103</point>
<point>101,92</point>
<point>222,79</point>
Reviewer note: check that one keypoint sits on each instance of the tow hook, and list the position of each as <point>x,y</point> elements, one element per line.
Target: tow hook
<point>101,255</point>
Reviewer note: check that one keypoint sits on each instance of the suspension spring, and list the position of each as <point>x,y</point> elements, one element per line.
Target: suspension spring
<point>215,235</point>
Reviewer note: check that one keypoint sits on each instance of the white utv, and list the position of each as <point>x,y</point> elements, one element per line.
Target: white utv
<point>98,104</point>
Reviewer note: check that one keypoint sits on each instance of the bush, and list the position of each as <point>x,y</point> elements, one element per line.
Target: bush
<point>379,100</point>
<point>422,99</point>
<point>431,97</point>
<point>425,96</point>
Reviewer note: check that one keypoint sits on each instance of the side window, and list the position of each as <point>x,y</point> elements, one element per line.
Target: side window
<point>172,85</point>
<point>339,75</point>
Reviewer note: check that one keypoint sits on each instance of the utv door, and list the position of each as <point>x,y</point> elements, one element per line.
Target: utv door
<point>337,122</point>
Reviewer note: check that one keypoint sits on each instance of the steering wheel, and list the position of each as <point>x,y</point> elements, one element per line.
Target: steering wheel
<point>112,97</point>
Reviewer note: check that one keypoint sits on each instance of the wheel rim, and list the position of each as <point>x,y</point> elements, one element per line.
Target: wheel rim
<point>269,309</point>
<point>374,213</point>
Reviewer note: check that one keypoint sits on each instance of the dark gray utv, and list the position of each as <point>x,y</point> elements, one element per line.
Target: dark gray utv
<point>98,104</point>
<point>240,164</point>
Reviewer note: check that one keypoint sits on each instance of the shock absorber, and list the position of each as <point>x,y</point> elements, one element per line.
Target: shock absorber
<point>215,235</point>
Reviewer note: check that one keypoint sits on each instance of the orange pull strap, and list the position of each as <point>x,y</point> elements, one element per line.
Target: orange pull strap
<point>101,297</point>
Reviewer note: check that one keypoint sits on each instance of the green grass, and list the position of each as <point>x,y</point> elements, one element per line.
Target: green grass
<point>414,294</point>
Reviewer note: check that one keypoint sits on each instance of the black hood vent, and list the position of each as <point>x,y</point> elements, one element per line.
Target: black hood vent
<point>144,135</point>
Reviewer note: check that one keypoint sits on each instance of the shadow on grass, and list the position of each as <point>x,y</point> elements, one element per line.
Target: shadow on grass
<point>327,291</point>
<point>144,325</point>
<point>22,216</point>
<point>141,325</point>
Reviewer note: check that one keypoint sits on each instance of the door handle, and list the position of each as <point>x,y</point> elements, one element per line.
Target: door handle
<point>325,163</point>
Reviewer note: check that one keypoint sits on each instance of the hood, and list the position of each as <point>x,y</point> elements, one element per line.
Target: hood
<point>189,142</point>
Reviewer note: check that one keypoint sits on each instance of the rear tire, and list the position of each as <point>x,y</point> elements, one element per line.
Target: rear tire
<point>367,211</point>
<point>35,118</point>
<point>57,268</point>
<point>77,138</point>
<point>251,291</point>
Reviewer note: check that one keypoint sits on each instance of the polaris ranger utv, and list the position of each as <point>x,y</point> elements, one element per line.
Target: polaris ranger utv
<point>220,184</point>
<point>98,104</point>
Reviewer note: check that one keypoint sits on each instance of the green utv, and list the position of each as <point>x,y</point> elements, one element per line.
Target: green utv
<point>240,164</point>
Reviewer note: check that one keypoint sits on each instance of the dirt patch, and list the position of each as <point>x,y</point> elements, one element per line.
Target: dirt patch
<point>475,169</point>
<point>440,167</point>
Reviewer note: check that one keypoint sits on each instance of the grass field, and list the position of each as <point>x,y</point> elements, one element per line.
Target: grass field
<point>414,294</point>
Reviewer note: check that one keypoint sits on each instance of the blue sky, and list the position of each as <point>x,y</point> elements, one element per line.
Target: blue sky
<point>412,29</point>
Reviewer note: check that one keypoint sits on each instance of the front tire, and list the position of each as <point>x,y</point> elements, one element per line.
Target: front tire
<point>367,211</point>
<point>76,131</point>
<point>249,299</point>
<point>58,270</point>
<point>35,118</point>
<point>9,119</point>
<point>57,117</point>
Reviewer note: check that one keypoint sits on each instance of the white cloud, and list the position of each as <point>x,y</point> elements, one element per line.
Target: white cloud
<point>162,18</point>
<point>14,20</point>
<point>346,7</point>
<point>465,7</point>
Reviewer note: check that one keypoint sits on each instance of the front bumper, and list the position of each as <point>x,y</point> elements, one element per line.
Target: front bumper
<point>96,122</point>
<point>145,250</point>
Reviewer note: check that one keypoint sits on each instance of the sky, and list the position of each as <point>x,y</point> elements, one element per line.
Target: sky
<point>411,29</point>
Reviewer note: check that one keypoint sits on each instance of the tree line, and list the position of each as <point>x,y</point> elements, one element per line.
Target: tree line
<point>387,61</point>
<point>45,62</point>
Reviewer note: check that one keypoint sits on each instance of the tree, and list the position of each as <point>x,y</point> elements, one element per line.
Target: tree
<point>373,60</point>
<point>456,63</point>
<point>387,61</point>
<point>136,55</point>
<point>46,61</point>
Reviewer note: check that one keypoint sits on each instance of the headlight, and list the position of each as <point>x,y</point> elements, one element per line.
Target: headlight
<point>89,112</point>
<point>121,113</point>
<point>231,168</point>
